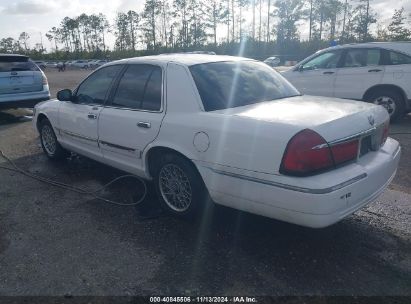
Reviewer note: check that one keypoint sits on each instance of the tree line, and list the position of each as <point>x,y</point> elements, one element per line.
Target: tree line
<point>253,27</point>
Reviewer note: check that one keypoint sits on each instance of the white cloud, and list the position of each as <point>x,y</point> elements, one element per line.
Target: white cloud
<point>126,5</point>
<point>29,7</point>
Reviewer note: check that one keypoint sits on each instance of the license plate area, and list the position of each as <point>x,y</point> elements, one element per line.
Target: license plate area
<point>365,145</point>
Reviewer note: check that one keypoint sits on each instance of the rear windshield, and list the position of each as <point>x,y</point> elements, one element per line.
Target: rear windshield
<point>15,63</point>
<point>229,84</point>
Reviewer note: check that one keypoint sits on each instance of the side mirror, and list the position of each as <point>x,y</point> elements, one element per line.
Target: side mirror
<point>300,68</point>
<point>65,95</point>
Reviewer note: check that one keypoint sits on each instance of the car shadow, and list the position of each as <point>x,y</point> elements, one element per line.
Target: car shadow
<point>15,116</point>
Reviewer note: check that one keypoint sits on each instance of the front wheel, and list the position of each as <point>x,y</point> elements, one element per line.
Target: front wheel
<point>49,143</point>
<point>392,101</point>
<point>179,186</point>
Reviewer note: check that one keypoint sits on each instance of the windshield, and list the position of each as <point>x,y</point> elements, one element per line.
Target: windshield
<point>230,84</point>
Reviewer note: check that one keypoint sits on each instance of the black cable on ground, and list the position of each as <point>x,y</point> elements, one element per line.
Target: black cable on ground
<point>94,193</point>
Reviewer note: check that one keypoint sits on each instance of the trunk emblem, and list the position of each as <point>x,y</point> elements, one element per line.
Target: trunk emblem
<point>371,120</point>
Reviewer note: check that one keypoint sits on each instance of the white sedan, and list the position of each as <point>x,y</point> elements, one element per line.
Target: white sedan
<point>226,128</point>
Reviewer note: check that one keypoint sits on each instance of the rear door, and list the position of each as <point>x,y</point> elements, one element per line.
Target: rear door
<point>361,69</point>
<point>317,76</point>
<point>18,74</point>
<point>78,120</point>
<point>132,118</point>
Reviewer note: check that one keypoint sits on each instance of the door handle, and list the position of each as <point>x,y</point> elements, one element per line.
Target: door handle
<point>143,124</point>
<point>92,116</point>
<point>374,70</point>
<point>328,73</point>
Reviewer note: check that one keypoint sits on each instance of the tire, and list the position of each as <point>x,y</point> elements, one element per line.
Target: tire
<point>179,186</point>
<point>391,100</point>
<point>49,143</point>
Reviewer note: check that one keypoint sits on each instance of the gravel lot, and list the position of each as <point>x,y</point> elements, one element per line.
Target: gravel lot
<point>55,242</point>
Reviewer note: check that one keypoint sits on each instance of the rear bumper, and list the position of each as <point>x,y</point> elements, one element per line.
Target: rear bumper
<point>24,100</point>
<point>314,202</point>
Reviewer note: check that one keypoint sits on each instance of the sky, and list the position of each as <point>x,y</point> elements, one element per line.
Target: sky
<point>38,16</point>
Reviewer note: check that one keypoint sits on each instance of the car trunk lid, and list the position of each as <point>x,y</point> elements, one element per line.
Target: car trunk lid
<point>332,118</point>
<point>336,120</point>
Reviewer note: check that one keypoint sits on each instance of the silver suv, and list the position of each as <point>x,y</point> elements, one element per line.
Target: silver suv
<point>22,83</point>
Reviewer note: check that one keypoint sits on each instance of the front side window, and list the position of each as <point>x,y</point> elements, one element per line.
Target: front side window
<point>139,88</point>
<point>94,89</point>
<point>328,60</point>
<point>229,84</point>
<point>395,58</point>
<point>362,57</point>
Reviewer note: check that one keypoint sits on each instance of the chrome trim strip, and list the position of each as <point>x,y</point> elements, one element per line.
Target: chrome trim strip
<point>131,109</point>
<point>77,135</point>
<point>291,187</point>
<point>116,146</point>
<point>351,137</point>
<point>345,139</point>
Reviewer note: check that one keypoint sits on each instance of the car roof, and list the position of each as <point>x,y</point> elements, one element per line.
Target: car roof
<point>185,59</point>
<point>401,46</point>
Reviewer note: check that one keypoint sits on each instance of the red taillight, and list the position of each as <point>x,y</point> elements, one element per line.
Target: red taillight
<point>345,151</point>
<point>45,82</point>
<point>306,153</point>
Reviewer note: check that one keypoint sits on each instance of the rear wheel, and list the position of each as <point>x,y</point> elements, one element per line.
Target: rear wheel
<point>391,100</point>
<point>49,143</point>
<point>179,186</point>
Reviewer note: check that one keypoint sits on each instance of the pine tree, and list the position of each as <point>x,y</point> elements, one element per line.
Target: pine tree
<point>397,30</point>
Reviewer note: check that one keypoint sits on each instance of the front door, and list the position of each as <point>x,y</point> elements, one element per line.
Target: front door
<point>317,76</point>
<point>78,119</point>
<point>132,118</point>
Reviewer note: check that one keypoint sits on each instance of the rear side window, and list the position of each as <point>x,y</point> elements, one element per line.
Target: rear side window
<point>16,64</point>
<point>93,90</point>
<point>152,96</point>
<point>362,57</point>
<point>223,85</point>
<point>395,58</point>
<point>139,88</point>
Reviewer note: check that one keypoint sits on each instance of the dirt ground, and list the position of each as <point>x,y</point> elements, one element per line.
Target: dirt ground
<point>56,242</point>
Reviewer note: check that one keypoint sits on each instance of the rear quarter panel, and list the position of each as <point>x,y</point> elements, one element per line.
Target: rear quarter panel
<point>399,75</point>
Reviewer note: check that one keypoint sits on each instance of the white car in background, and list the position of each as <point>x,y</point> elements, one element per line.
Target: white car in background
<point>228,128</point>
<point>22,83</point>
<point>51,64</point>
<point>98,63</point>
<point>378,72</point>
<point>41,64</point>
<point>272,61</point>
<point>82,64</point>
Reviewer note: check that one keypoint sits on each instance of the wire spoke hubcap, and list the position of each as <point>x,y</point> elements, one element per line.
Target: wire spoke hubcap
<point>175,187</point>
<point>387,102</point>
<point>48,140</point>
